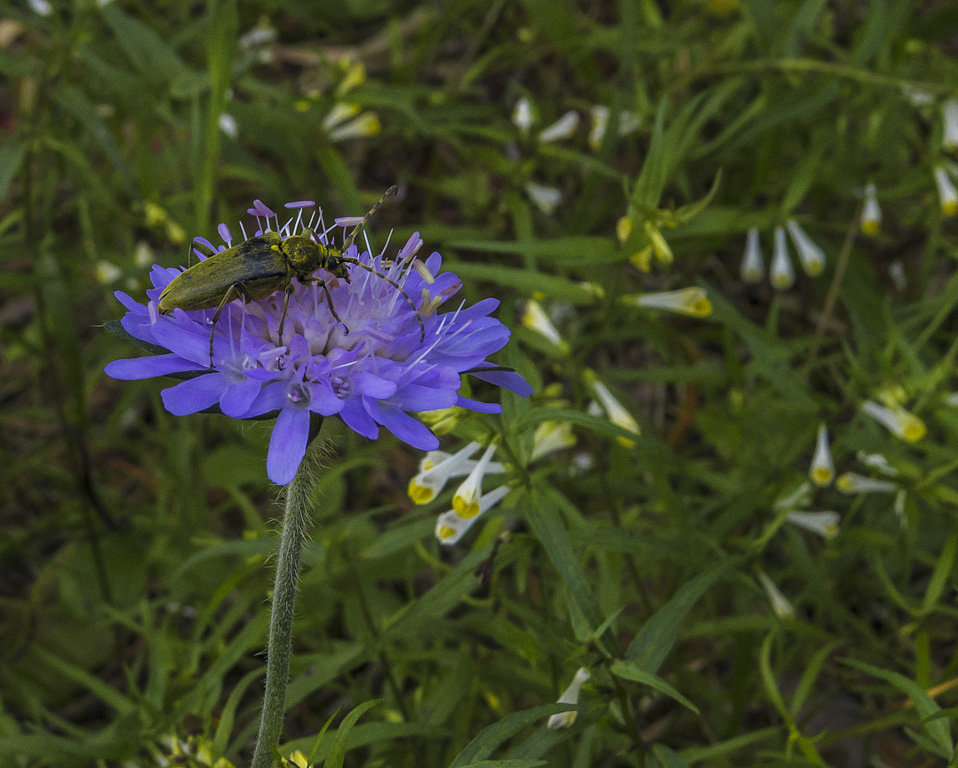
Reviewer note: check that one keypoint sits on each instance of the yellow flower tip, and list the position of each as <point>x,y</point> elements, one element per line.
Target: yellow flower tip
<point>301,105</point>
<point>298,759</point>
<point>751,275</point>
<point>821,476</point>
<point>466,508</point>
<point>420,494</point>
<point>624,441</point>
<point>782,281</point>
<point>949,207</point>
<point>912,429</point>
<point>702,307</point>
<point>642,260</point>
<point>623,228</point>
<point>562,719</point>
<point>814,267</point>
<point>870,227</point>
<point>846,483</point>
<point>445,532</point>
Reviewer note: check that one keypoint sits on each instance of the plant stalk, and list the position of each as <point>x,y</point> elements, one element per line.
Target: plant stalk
<point>295,530</point>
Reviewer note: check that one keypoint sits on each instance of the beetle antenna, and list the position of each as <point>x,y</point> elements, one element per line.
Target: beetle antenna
<point>352,235</point>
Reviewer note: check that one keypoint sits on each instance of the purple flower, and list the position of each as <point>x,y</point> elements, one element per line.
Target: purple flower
<point>370,369</point>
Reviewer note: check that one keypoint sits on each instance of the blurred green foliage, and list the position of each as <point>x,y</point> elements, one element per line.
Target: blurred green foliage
<point>135,546</point>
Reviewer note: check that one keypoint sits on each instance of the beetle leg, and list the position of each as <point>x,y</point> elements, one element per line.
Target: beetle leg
<point>329,302</point>
<point>235,291</point>
<point>398,287</point>
<point>282,320</point>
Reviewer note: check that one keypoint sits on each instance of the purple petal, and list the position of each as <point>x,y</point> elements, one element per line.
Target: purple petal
<point>417,398</point>
<point>272,397</point>
<point>323,400</point>
<point>356,418</point>
<point>225,233</point>
<point>287,445</point>
<point>507,379</point>
<point>239,396</point>
<point>477,406</point>
<point>365,383</point>
<point>406,428</point>
<point>194,395</point>
<point>148,367</point>
<point>300,204</point>
<point>129,302</point>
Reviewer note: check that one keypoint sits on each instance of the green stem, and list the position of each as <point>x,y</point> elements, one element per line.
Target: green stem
<point>295,530</point>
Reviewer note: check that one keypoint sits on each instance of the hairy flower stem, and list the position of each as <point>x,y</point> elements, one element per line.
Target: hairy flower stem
<point>294,533</point>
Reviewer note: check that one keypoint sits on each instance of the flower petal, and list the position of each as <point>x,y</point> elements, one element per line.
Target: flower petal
<point>287,445</point>
<point>405,427</point>
<point>194,395</point>
<point>239,396</point>
<point>356,418</point>
<point>478,406</point>
<point>510,380</point>
<point>148,367</point>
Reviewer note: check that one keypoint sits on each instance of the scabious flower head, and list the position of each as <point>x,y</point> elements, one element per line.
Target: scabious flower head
<point>569,696</point>
<point>369,368</point>
<point>897,420</point>
<point>823,468</point>
<point>782,272</point>
<point>685,301</point>
<point>871,212</point>
<point>753,268</point>
<point>811,256</point>
<point>947,194</point>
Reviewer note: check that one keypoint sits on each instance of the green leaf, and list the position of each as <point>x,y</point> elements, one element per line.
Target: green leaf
<point>337,752</point>
<point>667,757</point>
<point>654,641</point>
<point>925,706</point>
<point>546,524</point>
<point>490,737</point>
<point>629,670</point>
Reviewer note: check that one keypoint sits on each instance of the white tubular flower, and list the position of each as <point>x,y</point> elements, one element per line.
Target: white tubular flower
<point>687,301</point>
<point>228,125</point>
<point>896,271</point>
<point>569,696</point>
<point>825,524</point>
<point>952,399</point>
<point>753,268</point>
<point>898,421</point>
<point>949,116</point>
<point>545,198</point>
<point>367,124</point>
<point>797,498</point>
<point>900,507</point>
<point>467,501</point>
<point>871,212</point>
<point>450,526</point>
<point>782,272</point>
<point>628,122</point>
<point>780,605</point>
<point>811,256</point>
<point>107,272</point>
<point>822,470</point>
<point>522,115</point>
<point>600,122</point>
<point>615,411</point>
<point>877,461</point>
<point>917,97</point>
<point>852,482</point>
<point>947,194</point>
<point>339,114</point>
<point>551,436</point>
<point>40,7</point>
<point>535,319</point>
<point>435,470</point>
<point>562,128</point>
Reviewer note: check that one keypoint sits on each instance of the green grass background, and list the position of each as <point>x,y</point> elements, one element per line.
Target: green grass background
<point>135,546</point>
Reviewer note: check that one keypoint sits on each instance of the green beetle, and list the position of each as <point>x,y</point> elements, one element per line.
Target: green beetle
<point>260,266</point>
